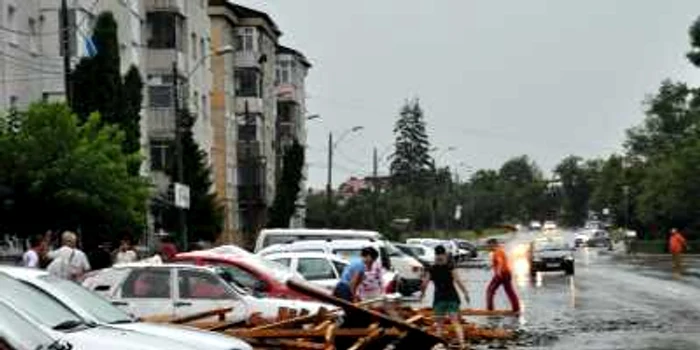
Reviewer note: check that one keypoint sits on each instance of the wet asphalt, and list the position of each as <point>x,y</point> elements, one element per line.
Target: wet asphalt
<point>612,302</point>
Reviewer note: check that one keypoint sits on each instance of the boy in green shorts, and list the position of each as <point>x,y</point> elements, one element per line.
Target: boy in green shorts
<point>446,301</point>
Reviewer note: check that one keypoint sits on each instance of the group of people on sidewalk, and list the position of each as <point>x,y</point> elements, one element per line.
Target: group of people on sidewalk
<point>69,261</point>
<point>361,281</point>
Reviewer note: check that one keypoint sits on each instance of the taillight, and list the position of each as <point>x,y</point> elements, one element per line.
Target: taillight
<point>417,269</point>
<point>391,287</point>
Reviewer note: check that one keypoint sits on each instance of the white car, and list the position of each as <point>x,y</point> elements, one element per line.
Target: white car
<point>179,290</point>
<point>409,270</point>
<point>96,310</point>
<point>270,237</point>
<point>450,246</point>
<point>66,327</point>
<point>549,226</point>
<point>322,269</point>
<point>424,254</point>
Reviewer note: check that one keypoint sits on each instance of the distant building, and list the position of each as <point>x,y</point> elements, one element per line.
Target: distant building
<point>292,68</point>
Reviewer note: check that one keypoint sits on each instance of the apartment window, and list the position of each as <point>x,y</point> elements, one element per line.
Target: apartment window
<point>245,39</point>
<point>13,102</point>
<point>11,14</point>
<point>195,102</point>
<point>202,48</point>
<point>161,155</point>
<point>205,115</point>
<point>247,83</point>
<point>45,97</point>
<point>160,91</point>
<point>284,72</point>
<point>31,24</point>
<point>193,42</point>
<point>165,30</point>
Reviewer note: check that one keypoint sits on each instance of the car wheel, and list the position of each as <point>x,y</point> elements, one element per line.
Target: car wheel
<point>569,270</point>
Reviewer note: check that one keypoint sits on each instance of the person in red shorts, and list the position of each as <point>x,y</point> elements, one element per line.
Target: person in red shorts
<point>501,277</point>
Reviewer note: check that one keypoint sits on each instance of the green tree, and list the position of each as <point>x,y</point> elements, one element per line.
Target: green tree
<point>485,199</point>
<point>411,163</point>
<point>523,186</point>
<point>576,188</point>
<point>63,174</point>
<point>694,54</point>
<point>288,188</point>
<point>206,214</point>
<point>98,86</point>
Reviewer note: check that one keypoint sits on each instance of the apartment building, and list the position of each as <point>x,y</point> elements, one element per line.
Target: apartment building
<point>31,54</point>
<point>292,68</point>
<point>223,20</point>
<point>256,41</point>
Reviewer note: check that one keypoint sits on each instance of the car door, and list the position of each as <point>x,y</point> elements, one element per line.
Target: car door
<point>202,290</point>
<point>147,292</point>
<point>318,270</point>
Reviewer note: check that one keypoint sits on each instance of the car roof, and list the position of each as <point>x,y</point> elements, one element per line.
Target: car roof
<point>205,254</point>
<point>307,231</point>
<point>304,254</point>
<point>23,272</point>
<point>144,265</point>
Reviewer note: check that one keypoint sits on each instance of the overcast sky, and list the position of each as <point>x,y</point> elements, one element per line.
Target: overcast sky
<point>496,78</point>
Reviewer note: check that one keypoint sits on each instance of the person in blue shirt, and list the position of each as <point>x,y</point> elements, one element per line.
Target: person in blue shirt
<point>352,275</point>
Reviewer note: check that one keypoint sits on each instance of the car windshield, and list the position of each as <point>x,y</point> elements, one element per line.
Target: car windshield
<point>99,308</point>
<point>419,251</point>
<point>20,332</point>
<point>39,306</point>
<point>550,245</point>
<point>278,271</point>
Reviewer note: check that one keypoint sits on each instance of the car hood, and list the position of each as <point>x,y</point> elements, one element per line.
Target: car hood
<point>269,307</point>
<point>110,338</point>
<point>190,336</point>
<point>582,236</point>
<point>552,254</point>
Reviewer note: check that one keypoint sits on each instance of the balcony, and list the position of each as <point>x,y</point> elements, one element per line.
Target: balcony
<point>248,59</point>
<point>160,61</point>
<point>249,151</point>
<point>249,195</point>
<point>254,105</point>
<point>165,5</point>
<point>161,123</point>
<point>288,93</point>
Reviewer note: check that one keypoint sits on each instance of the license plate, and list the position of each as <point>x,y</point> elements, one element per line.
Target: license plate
<point>553,265</point>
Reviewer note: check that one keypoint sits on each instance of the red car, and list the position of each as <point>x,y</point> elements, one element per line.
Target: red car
<point>261,277</point>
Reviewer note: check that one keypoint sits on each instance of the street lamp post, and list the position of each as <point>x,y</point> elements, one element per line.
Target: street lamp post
<point>181,190</point>
<point>329,185</point>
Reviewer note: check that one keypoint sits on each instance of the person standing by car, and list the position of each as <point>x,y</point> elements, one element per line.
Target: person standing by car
<point>677,245</point>
<point>354,274</point>
<point>32,257</point>
<point>501,276</point>
<point>125,253</point>
<point>68,262</point>
<point>371,286</point>
<point>446,303</point>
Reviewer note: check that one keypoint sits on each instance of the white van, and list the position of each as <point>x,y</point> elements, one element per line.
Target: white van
<point>270,237</point>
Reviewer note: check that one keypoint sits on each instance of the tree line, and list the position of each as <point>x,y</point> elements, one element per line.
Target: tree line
<point>650,187</point>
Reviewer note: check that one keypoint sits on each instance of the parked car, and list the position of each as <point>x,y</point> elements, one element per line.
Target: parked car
<point>471,250</point>
<point>257,275</point>
<point>451,247</point>
<point>270,237</point>
<point>409,270</point>
<point>422,253</point>
<point>535,225</point>
<point>17,332</point>
<point>549,226</point>
<point>64,325</point>
<point>551,254</point>
<point>181,289</point>
<point>322,269</point>
<point>581,238</point>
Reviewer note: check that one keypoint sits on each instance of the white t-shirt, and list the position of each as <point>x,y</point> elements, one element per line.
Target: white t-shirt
<point>68,263</point>
<point>30,259</point>
<point>125,257</point>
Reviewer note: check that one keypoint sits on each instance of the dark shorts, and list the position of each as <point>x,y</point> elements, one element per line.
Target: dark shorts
<point>446,308</point>
<point>342,291</point>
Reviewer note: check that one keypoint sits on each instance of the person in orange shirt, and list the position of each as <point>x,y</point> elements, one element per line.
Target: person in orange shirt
<point>501,277</point>
<point>677,245</point>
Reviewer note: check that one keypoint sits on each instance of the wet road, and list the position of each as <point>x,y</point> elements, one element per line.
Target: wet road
<point>610,303</point>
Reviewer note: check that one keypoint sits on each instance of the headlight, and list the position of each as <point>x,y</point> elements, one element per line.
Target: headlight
<point>537,259</point>
<point>569,257</point>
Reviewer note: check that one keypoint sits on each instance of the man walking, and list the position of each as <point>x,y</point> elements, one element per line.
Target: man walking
<point>68,262</point>
<point>677,245</point>
<point>354,274</point>
<point>501,277</point>
<point>446,303</point>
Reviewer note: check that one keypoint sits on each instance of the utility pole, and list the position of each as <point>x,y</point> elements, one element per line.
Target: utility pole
<point>329,184</point>
<point>180,174</point>
<point>375,187</point>
<point>65,44</point>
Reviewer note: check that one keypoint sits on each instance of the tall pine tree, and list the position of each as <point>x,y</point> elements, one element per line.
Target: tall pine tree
<point>411,162</point>
<point>288,187</point>
<point>98,86</point>
<point>206,214</point>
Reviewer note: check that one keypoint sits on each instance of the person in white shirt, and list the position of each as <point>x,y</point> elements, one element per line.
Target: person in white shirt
<point>68,261</point>
<point>126,253</point>
<point>32,257</point>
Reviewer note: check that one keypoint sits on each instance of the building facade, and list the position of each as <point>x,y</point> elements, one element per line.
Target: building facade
<point>223,116</point>
<point>292,68</point>
<point>256,38</point>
